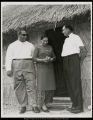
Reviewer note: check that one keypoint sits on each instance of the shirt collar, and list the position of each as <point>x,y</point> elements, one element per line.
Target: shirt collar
<point>70,34</point>
<point>22,42</point>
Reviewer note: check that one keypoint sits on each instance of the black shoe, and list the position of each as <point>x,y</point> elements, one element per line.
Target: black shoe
<point>69,109</point>
<point>76,109</point>
<point>23,110</point>
<point>36,109</point>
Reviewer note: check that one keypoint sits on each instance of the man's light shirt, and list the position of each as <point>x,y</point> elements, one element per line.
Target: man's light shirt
<point>18,50</point>
<point>72,45</point>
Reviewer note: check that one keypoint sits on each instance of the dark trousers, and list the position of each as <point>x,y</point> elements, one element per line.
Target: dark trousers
<point>72,75</point>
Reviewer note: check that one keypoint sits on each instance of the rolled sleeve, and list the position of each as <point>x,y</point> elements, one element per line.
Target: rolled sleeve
<point>79,42</point>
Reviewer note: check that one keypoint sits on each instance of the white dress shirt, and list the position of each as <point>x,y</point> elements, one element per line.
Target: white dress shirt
<point>72,45</point>
<point>18,50</point>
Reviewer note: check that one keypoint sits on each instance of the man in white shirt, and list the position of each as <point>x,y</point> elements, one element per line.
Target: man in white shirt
<point>71,67</point>
<point>19,64</point>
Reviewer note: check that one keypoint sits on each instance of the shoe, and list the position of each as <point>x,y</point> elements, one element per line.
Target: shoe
<point>72,108</point>
<point>44,109</point>
<point>76,111</point>
<point>23,110</point>
<point>36,109</point>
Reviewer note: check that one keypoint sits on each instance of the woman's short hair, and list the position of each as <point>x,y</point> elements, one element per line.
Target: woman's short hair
<point>43,37</point>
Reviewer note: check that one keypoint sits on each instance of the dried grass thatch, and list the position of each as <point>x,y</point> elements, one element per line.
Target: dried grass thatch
<point>28,15</point>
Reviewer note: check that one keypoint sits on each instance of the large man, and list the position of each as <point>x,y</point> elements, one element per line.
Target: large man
<point>71,67</point>
<point>19,64</point>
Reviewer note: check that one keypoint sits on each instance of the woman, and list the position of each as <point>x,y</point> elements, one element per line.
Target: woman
<point>44,57</point>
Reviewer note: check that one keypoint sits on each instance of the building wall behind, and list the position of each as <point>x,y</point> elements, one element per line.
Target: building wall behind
<point>84,31</point>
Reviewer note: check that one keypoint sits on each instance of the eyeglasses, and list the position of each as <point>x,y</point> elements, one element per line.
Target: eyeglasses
<point>24,34</point>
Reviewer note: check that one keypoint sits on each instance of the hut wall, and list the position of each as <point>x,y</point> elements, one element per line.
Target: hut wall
<point>35,36</point>
<point>9,100</point>
<point>84,31</point>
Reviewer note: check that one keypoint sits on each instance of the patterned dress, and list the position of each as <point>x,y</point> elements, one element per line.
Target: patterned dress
<point>45,72</point>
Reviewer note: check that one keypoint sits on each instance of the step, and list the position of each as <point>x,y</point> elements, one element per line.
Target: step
<point>59,106</point>
<point>60,103</point>
<point>61,100</point>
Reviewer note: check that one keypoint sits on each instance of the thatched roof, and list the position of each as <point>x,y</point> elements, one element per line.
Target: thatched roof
<point>15,16</point>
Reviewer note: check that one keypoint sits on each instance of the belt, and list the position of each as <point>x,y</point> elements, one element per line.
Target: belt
<point>23,59</point>
<point>70,55</point>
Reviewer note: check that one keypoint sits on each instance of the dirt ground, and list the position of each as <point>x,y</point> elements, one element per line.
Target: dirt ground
<point>56,111</point>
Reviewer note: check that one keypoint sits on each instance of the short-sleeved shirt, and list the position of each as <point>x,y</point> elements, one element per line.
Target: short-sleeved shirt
<point>72,45</point>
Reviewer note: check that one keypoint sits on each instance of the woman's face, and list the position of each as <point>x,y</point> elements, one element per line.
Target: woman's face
<point>44,41</point>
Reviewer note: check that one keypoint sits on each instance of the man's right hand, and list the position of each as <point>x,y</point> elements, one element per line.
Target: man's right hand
<point>9,73</point>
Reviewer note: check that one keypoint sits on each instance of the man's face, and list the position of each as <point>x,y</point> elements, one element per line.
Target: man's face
<point>23,36</point>
<point>65,31</point>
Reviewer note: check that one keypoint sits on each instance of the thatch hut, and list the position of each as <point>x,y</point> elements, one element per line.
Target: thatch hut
<point>40,19</point>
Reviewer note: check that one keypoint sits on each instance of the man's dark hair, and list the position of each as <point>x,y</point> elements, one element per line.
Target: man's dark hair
<point>19,31</point>
<point>69,27</point>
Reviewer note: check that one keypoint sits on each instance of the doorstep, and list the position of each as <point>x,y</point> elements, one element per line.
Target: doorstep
<point>60,103</point>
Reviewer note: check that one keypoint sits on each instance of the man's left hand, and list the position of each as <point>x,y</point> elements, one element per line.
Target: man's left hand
<point>83,52</point>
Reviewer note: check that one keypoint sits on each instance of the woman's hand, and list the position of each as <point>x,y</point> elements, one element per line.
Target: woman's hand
<point>47,59</point>
<point>51,59</point>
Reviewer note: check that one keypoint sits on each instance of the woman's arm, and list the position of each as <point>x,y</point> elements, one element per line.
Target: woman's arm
<point>40,60</point>
<point>53,57</point>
